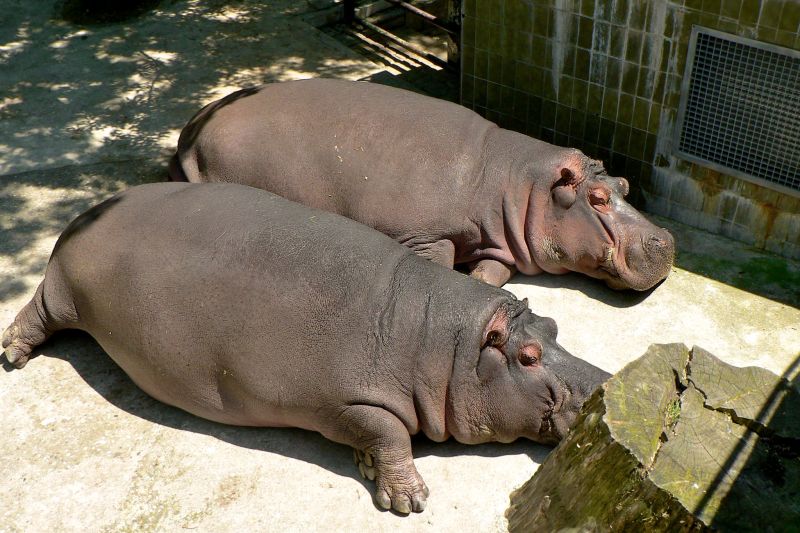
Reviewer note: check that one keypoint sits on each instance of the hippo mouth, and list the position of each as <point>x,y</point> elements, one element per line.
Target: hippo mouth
<point>613,265</point>
<point>637,261</point>
<point>550,431</point>
<point>608,263</point>
<point>554,428</point>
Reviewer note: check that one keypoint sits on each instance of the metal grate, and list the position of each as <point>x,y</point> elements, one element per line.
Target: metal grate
<point>740,108</point>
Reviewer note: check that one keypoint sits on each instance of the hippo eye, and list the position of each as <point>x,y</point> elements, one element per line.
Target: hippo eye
<point>598,197</point>
<point>530,355</point>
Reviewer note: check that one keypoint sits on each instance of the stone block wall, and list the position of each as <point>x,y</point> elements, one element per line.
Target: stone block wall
<point>605,76</point>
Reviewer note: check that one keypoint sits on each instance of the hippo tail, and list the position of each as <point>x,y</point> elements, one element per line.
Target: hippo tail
<point>176,170</point>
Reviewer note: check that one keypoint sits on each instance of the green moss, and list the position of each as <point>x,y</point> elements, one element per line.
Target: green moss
<point>673,413</point>
<point>769,269</point>
<point>770,276</point>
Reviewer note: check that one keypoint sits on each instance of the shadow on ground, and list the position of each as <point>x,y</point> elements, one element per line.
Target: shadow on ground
<point>746,268</point>
<point>36,206</point>
<point>592,288</point>
<point>101,11</point>
<point>107,379</point>
<point>760,478</point>
<point>89,109</point>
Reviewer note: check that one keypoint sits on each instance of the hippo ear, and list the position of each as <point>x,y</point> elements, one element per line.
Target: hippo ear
<point>568,177</point>
<point>496,331</point>
<point>625,186</point>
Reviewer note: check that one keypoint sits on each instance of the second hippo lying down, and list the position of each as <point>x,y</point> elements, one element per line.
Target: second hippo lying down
<point>241,307</point>
<point>433,175</point>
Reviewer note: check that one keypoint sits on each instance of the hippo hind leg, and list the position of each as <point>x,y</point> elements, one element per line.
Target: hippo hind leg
<point>26,332</point>
<point>46,313</point>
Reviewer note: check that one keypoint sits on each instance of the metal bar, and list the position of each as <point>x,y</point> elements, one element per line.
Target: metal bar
<point>400,55</point>
<point>414,48</point>
<point>435,21</point>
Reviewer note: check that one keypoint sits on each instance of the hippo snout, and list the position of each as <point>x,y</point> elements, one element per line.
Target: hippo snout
<point>583,379</point>
<point>659,252</point>
<point>581,389</point>
<point>647,261</point>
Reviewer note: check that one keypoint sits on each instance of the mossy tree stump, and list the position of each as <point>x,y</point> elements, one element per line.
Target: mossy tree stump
<point>676,441</point>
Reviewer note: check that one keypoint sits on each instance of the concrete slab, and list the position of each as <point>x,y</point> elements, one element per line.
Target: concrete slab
<point>88,111</point>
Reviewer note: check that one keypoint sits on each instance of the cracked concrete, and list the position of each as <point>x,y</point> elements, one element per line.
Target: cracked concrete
<point>86,111</point>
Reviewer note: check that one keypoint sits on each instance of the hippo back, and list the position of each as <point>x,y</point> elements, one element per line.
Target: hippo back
<point>369,152</point>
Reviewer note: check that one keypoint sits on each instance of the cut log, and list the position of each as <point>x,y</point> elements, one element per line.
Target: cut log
<point>678,440</point>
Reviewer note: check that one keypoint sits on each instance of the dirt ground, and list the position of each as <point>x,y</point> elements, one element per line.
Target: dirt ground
<point>87,110</point>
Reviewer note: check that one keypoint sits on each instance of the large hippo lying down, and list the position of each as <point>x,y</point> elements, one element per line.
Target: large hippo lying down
<point>433,175</point>
<point>244,308</point>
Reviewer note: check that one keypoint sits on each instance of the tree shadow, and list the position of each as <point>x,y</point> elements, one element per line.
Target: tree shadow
<point>100,12</point>
<point>90,109</point>
<point>87,110</point>
<point>33,212</point>
<point>118,90</point>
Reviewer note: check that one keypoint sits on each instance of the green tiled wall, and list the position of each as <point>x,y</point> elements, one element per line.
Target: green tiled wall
<point>605,76</point>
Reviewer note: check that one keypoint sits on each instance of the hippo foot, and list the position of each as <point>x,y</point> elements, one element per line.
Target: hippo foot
<point>16,351</point>
<point>383,452</point>
<point>400,489</point>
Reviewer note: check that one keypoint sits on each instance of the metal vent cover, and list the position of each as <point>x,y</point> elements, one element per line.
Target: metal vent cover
<point>740,109</point>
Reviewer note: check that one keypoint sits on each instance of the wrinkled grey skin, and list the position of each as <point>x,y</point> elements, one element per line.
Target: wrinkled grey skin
<point>432,175</point>
<point>244,308</point>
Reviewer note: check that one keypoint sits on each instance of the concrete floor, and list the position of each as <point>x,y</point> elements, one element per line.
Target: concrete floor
<point>87,111</point>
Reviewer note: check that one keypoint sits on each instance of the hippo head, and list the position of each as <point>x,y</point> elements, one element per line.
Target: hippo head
<point>583,224</point>
<point>528,385</point>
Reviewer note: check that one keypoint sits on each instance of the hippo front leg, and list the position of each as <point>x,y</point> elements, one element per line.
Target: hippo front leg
<point>383,452</point>
<point>492,272</point>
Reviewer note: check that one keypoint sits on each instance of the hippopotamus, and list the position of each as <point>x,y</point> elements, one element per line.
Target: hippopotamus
<point>244,308</point>
<point>431,174</point>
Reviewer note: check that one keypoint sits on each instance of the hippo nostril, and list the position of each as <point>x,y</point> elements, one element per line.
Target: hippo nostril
<point>658,245</point>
